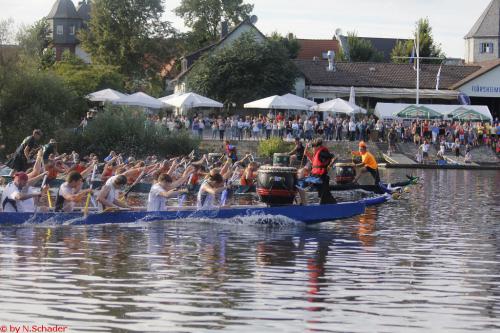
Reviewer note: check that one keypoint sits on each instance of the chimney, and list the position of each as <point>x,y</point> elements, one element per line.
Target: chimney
<point>224,29</point>
<point>331,61</point>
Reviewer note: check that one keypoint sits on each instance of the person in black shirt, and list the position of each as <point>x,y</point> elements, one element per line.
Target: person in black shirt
<point>49,148</point>
<point>20,159</point>
<point>297,154</point>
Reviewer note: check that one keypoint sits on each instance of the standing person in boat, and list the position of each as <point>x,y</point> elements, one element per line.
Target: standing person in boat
<point>164,188</point>
<point>322,159</point>
<point>108,196</point>
<point>297,154</point>
<point>213,185</point>
<point>50,148</point>
<point>70,192</point>
<point>368,164</point>
<point>20,159</point>
<point>230,151</point>
<point>18,196</point>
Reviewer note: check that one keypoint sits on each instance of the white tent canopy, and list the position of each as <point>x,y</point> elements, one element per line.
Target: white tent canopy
<point>106,95</point>
<point>339,105</point>
<point>166,98</point>
<point>191,100</point>
<point>140,99</point>
<point>277,103</point>
<point>389,110</point>
<point>297,99</point>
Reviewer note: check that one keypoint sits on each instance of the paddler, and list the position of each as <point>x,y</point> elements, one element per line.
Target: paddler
<point>249,176</point>
<point>49,148</point>
<point>108,196</point>
<point>18,196</point>
<point>230,151</point>
<point>322,159</point>
<point>70,192</point>
<point>368,164</point>
<point>20,159</point>
<point>297,154</point>
<point>164,188</point>
<point>213,185</point>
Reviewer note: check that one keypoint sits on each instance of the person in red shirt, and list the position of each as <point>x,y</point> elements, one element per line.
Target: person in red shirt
<point>322,159</point>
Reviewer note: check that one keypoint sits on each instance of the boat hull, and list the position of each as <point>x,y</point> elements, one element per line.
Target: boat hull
<point>306,214</point>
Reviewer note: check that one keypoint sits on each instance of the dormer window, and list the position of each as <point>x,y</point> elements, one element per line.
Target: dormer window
<point>59,30</point>
<point>486,48</point>
<point>71,29</point>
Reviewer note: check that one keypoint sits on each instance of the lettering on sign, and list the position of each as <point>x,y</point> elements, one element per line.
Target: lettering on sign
<point>485,89</point>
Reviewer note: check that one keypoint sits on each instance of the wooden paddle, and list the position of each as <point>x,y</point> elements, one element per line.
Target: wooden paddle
<point>86,209</point>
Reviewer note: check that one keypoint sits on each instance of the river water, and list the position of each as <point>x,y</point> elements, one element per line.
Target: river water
<point>426,262</point>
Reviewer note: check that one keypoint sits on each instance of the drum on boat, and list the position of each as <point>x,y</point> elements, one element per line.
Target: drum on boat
<point>281,159</point>
<point>214,157</point>
<point>345,173</point>
<point>276,184</point>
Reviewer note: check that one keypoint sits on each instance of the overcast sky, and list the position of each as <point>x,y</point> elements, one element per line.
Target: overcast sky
<point>450,19</point>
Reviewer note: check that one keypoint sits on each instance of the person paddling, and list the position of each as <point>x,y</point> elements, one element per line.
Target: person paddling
<point>18,196</point>
<point>210,187</point>
<point>321,161</point>
<point>108,196</point>
<point>368,164</point>
<point>164,188</point>
<point>70,192</point>
<point>20,159</point>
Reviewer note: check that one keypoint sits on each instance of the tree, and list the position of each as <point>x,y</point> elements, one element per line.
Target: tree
<point>86,78</point>
<point>428,48</point>
<point>362,50</point>
<point>245,71</point>
<point>130,35</point>
<point>36,99</point>
<point>290,43</point>
<point>204,17</point>
<point>34,41</point>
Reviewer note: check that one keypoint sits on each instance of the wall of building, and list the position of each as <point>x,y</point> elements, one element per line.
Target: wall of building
<point>473,50</point>
<point>66,37</point>
<point>487,85</point>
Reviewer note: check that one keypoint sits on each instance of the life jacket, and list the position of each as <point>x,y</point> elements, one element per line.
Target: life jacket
<point>194,179</point>
<point>320,168</point>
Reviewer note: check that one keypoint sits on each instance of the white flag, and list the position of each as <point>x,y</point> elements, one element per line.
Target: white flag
<point>438,77</point>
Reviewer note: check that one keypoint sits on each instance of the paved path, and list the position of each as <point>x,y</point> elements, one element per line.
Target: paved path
<point>398,159</point>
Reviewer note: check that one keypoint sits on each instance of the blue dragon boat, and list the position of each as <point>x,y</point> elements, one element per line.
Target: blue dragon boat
<point>310,214</point>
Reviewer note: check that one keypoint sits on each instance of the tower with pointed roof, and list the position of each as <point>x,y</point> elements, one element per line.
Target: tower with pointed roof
<point>482,43</point>
<point>65,20</point>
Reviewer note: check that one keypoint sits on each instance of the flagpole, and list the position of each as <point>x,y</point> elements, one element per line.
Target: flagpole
<point>418,65</point>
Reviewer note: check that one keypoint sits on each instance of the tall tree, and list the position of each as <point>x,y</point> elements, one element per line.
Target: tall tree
<point>129,34</point>
<point>290,43</point>
<point>362,50</point>
<point>204,17</point>
<point>245,71</point>
<point>428,47</point>
<point>35,41</point>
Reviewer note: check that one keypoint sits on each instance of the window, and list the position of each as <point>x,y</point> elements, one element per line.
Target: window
<point>60,30</point>
<point>71,29</point>
<point>486,48</point>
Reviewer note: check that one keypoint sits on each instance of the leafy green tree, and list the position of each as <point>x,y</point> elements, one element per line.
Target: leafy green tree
<point>362,50</point>
<point>36,99</point>
<point>290,43</point>
<point>205,16</point>
<point>428,47</point>
<point>34,41</point>
<point>130,35</point>
<point>86,78</point>
<point>245,71</point>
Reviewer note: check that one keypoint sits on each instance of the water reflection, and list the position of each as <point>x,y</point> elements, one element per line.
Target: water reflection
<point>427,262</point>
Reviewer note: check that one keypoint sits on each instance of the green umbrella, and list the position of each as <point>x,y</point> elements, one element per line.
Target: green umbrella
<point>418,112</point>
<point>464,114</point>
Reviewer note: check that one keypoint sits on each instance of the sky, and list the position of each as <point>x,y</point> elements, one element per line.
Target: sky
<point>451,20</point>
